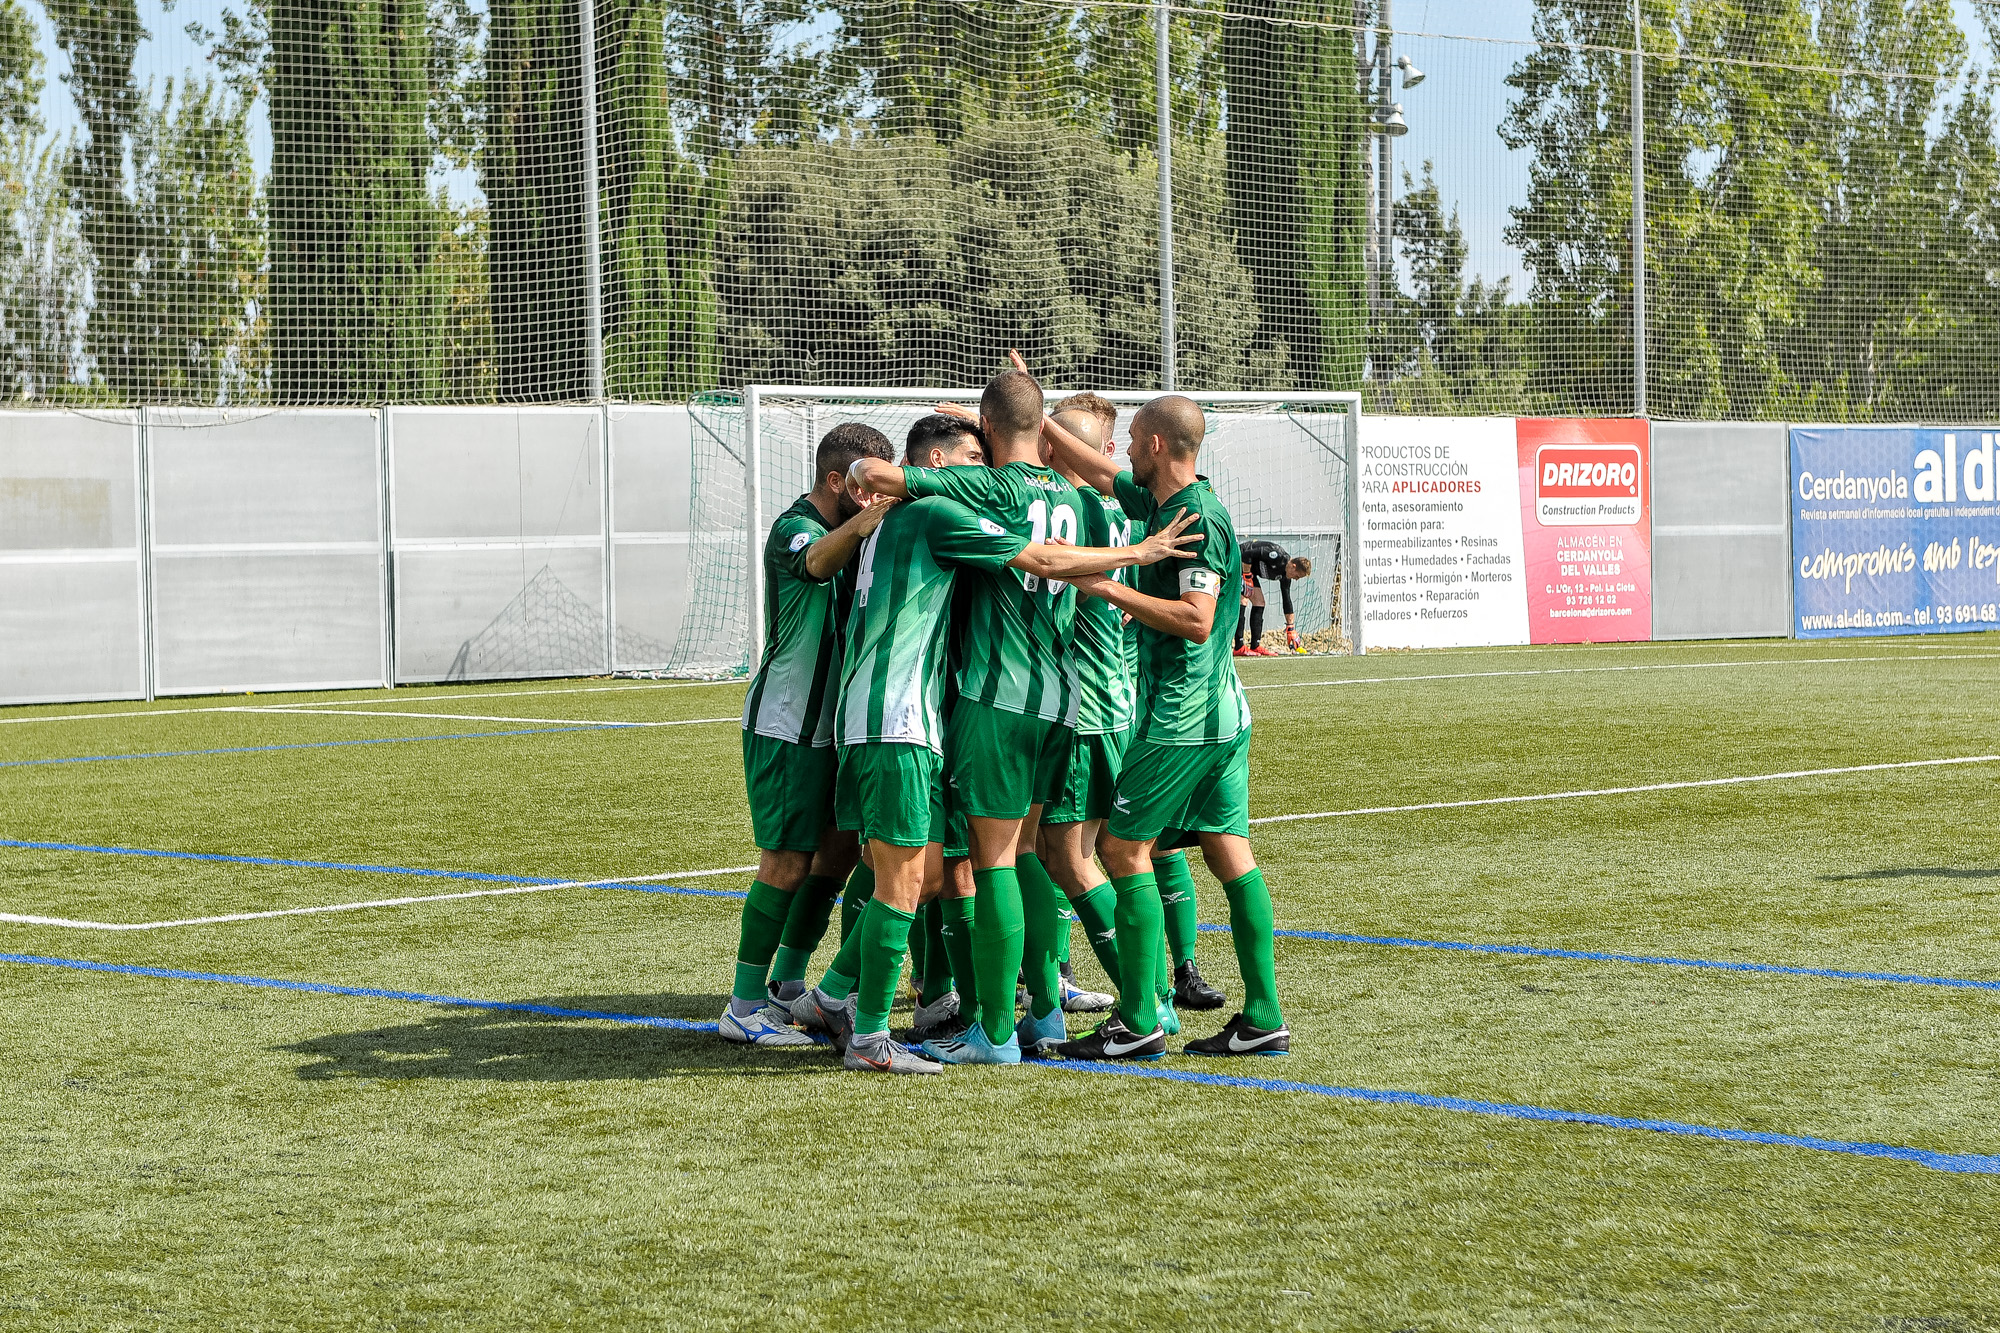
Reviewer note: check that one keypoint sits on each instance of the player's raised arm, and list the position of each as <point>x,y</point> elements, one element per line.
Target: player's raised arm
<point>827,555</point>
<point>877,476</point>
<point>1070,454</point>
<point>1053,561</point>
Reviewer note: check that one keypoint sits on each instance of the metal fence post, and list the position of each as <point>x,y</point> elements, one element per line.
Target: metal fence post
<point>1638,216</point>
<point>593,248</point>
<point>149,645</point>
<point>610,511</point>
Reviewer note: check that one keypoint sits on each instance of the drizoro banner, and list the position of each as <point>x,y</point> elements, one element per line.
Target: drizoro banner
<point>1586,527</point>
<point>1476,531</point>
<point>1895,530</point>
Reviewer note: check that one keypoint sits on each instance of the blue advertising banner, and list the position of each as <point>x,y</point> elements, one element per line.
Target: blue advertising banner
<point>1895,530</point>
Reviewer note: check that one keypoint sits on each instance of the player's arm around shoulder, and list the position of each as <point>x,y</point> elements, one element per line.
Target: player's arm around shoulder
<point>1192,615</point>
<point>829,554</point>
<point>1055,561</point>
<point>957,536</point>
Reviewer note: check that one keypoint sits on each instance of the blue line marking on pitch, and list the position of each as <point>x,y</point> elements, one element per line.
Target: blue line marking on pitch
<point>1964,1163</point>
<point>308,745</point>
<point>357,867</point>
<point>1653,960</point>
<point>1987,1164</point>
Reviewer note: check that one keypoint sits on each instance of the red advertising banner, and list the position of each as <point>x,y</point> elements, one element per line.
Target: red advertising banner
<point>1586,526</point>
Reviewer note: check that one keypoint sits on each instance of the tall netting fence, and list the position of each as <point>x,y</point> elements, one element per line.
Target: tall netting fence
<point>230,203</point>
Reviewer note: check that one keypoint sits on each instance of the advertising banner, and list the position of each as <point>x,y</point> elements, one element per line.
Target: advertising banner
<point>1586,528</point>
<point>1894,530</point>
<point>1440,533</point>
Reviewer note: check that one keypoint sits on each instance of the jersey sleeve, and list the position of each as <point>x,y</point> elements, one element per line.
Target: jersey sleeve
<point>957,536</point>
<point>791,537</point>
<point>978,486</point>
<point>1216,567</point>
<point>1137,501</point>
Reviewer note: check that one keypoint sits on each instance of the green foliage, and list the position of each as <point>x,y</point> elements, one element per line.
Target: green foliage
<point>1295,144</point>
<point>848,264</point>
<point>44,272</point>
<point>359,293</point>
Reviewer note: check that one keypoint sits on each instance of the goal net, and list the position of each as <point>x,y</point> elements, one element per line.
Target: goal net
<point>1279,462</point>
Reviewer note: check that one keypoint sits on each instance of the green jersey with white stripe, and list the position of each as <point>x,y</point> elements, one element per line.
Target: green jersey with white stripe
<point>793,694</point>
<point>893,671</point>
<point>1018,626</point>
<point>1191,692</point>
<point>1104,670</point>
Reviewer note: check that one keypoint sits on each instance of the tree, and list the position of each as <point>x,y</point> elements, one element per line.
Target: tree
<point>101,37</point>
<point>359,292</point>
<point>1295,139</point>
<point>198,283</point>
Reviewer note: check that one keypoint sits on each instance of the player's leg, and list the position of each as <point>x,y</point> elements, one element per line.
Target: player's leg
<point>790,798</point>
<point>1185,982</point>
<point>955,909</point>
<point>884,932</point>
<point>992,780</point>
<point>1067,850</point>
<point>1219,810</point>
<point>812,906</point>
<point>1045,919</point>
<point>1257,622</point>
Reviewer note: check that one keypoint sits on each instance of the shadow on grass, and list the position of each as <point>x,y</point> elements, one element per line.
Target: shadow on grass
<point>1917,872</point>
<point>512,1047</point>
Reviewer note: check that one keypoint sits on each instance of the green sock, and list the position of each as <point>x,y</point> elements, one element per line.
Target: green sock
<point>764,913</point>
<point>955,917</point>
<point>1069,920</point>
<point>1045,920</point>
<point>1177,896</point>
<point>846,970</point>
<point>919,942</point>
<point>805,926</point>
<point>1098,912</point>
<point>997,947</point>
<point>884,932</point>
<point>1250,932</point>
<point>860,888</point>
<point>1139,942</point>
<point>1163,972</point>
<point>938,975</point>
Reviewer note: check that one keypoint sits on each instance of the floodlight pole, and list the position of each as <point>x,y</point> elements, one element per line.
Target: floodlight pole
<point>1638,217</point>
<point>1162,88</point>
<point>593,241</point>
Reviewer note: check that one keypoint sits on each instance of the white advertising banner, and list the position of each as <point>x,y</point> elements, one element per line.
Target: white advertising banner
<point>1440,533</point>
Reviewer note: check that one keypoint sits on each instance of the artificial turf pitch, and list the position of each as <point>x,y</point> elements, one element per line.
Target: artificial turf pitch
<point>190,1153</point>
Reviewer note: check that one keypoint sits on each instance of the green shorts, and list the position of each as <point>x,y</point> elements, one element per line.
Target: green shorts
<point>892,793</point>
<point>1168,791</point>
<point>791,792</point>
<point>1094,765</point>
<point>1002,762</point>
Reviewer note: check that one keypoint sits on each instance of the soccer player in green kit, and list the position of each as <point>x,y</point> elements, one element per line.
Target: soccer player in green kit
<point>1187,771</point>
<point>1012,730</point>
<point>1107,667</point>
<point>892,732</point>
<point>788,717</point>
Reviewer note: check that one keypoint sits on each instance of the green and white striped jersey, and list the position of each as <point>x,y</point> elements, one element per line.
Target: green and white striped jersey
<point>1018,626</point>
<point>792,697</point>
<point>1104,662</point>
<point>1190,690</point>
<point>893,675</point>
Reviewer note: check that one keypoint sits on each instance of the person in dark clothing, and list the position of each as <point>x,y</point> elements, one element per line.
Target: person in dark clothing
<point>1268,560</point>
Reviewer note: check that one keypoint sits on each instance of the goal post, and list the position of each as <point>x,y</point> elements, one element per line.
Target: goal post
<point>1278,460</point>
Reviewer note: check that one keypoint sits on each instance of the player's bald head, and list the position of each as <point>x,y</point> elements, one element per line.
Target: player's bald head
<point>1012,404</point>
<point>1086,426</point>
<point>1178,421</point>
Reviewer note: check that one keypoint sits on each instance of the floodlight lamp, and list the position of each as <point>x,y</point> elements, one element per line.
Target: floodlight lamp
<point>1412,76</point>
<point>1390,122</point>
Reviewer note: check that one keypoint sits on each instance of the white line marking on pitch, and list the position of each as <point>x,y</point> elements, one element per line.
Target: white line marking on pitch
<point>400,698</point>
<point>1653,666</point>
<point>1627,791</point>
<point>481,717</point>
<point>508,891</point>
